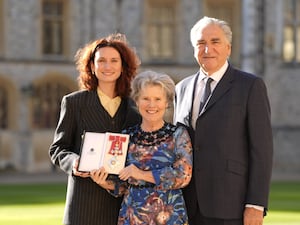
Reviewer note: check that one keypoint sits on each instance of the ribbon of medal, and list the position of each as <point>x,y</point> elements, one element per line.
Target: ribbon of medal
<point>116,149</point>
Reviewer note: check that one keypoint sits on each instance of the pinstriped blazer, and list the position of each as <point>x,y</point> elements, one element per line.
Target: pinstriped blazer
<point>86,202</point>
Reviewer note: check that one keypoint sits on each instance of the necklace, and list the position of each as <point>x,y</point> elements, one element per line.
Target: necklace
<point>154,137</point>
<point>152,129</point>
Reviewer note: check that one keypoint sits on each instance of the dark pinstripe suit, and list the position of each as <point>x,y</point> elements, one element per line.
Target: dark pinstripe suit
<point>86,202</point>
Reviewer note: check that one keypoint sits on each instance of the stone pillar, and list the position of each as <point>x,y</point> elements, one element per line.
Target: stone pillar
<point>23,141</point>
<point>191,12</point>
<point>260,37</point>
<point>248,35</point>
<point>252,54</point>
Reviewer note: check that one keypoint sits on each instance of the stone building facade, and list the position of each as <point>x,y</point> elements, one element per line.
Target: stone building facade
<point>39,38</point>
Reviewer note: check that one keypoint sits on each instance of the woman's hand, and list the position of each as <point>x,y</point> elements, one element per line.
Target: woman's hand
<point>99,176</point>
<point>76,172</point>
<point>136,173</point>
<point>130,171</point>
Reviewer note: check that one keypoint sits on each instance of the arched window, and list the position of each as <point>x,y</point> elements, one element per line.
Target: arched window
<point>3,108</point>
<point>46,104</point>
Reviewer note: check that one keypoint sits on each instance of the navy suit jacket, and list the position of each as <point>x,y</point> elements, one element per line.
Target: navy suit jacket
<point>233,147</point>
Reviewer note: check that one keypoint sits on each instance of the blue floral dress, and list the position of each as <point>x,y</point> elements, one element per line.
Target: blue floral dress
<point>167,152</point>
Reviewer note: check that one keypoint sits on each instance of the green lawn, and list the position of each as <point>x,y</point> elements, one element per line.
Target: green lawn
<point>42,204</point>
<point>32,204</point>
<point>284,204</point>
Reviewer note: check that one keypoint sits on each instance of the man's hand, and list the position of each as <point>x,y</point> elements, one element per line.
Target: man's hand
<point>253,216</point>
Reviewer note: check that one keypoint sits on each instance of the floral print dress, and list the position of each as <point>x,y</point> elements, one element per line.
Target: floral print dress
<point>167,152</point>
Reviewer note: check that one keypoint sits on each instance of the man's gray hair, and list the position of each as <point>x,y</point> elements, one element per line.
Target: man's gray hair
<point>202,23</point>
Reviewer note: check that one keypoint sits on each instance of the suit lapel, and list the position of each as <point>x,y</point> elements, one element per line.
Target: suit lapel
<point>222,87</point>
<point>191,90</point>
<point>184,104</point>
<point>91,112</point>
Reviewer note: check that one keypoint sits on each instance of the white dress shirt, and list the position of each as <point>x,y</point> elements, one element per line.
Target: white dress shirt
<point>199,89</point>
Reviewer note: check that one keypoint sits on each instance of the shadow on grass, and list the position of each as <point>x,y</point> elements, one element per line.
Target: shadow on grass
<point>12,194</point>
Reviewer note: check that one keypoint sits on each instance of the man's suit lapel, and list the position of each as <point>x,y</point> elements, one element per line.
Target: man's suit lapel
<point>185,106</point>
<point>222,87</point>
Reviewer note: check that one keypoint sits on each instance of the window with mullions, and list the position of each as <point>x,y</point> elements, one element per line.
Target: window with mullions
<point>52,27</point>
<point>3,108</point>
<point>291,31</point>
<point>161,30</point>
<point>1,26</point>
<point>46,104</point>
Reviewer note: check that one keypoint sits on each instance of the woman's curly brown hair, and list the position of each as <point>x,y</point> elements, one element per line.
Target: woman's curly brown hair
<point>84,58</point>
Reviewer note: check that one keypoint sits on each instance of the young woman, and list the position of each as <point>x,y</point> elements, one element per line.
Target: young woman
<point>106,68</point>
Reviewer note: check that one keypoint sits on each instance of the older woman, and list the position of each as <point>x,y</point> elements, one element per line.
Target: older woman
<point>106,68</point>
<point>159,159</point>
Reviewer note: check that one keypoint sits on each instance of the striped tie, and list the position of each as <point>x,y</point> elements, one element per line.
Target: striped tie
<point>207,93</point>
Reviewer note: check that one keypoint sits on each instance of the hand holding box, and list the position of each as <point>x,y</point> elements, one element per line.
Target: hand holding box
<point>103,149</point>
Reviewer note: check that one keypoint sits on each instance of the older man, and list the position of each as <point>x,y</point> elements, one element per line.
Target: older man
<point>227,112</point>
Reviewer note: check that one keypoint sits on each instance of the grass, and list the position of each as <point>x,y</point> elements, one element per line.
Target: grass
<point>43,204</point>
<point>284,205</point>
<point>32,204</point>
